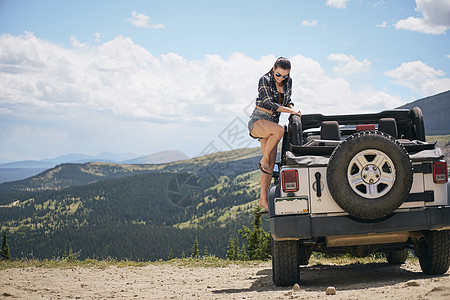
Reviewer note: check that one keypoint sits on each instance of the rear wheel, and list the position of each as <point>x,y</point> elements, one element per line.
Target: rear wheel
<point>285,262</point>
<point>433,252</point>
<point>304,252</point>
<point>397,257</point>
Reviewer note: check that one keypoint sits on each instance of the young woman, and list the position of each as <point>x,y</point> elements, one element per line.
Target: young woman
<point>274,97</point>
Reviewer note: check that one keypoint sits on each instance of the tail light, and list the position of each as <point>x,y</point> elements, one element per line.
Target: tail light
<point>290,180</point>
<point>440,172</point>
<point>365,127</point>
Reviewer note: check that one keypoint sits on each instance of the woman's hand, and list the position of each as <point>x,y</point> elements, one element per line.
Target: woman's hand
<point>290,110</point>
<point>296,112</point>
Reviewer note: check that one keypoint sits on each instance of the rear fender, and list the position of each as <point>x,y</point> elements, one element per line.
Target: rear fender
<point>448,193</point>
<point>274,192</point>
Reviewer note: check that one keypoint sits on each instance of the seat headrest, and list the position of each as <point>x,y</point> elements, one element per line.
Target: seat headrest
<point>329,130</point>
<point>389,126</point>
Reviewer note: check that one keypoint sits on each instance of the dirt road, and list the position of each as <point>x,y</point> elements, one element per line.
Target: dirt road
<point>172,281</point>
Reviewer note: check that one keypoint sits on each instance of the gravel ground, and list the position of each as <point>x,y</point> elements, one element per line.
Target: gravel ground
<point>172,281</point>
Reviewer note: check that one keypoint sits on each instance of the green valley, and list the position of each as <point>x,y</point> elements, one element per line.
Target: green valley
<point>138,212</point>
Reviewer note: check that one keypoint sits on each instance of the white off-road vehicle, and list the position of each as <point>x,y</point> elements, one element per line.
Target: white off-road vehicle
<point>359,184</point>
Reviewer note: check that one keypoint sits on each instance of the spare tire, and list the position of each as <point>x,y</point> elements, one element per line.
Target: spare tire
<point>369,175</point>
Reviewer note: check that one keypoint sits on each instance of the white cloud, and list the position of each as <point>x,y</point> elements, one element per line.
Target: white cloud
<point>435,20</point>
<point>98,37</point>
<point>420,78</point>
<point>383,25</point>
<point>142,20</point>
<point>125,79</point>
<point>319,93</point>
<point>76,43</point>
<point>117,94</point>
<point>337,3</point>
<point>419,25</point>
<point>309,23</point>
<point>348,64</point>
<point>379,3</point>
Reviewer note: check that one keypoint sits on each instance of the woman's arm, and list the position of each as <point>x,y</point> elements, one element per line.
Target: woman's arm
<point>289,109</point>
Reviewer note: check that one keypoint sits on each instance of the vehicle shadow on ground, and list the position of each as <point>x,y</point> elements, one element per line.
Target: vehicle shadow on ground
<point>343,277</point>
<point>356,276</point>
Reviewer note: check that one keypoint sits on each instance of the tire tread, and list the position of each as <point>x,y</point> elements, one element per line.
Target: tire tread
<point>436,259</point>
<point>397,257</point>
<point>285,264</point>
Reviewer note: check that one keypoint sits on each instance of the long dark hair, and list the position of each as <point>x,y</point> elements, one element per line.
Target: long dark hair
<point>283,63</point>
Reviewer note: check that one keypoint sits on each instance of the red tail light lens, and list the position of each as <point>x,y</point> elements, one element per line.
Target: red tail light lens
<point>440,172</point>
<point>365,127</point>
<point>290,180</point>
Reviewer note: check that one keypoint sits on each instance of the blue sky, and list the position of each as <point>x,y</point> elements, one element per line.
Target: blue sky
<point>148,76</point>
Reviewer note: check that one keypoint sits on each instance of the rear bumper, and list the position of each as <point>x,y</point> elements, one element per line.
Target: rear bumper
<point>304,226</point>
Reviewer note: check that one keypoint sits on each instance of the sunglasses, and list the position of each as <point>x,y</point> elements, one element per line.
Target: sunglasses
<point>279,75</point>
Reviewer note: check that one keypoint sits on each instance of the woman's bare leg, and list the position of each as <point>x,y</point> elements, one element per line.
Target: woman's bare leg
<point>266,179</point>
<point>271,134</point>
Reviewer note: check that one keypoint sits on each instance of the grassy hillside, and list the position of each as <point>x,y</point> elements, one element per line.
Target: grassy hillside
<point>142,216</point>
<point>66,175</point>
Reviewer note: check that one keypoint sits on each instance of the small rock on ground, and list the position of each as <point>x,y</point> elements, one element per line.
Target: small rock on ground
<point>331,290</point>
<point>413,283</point>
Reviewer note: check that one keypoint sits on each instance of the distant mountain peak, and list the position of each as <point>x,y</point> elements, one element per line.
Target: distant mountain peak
<point>436,110</point>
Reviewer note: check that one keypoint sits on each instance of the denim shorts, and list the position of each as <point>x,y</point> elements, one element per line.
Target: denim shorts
<point>258,114</point>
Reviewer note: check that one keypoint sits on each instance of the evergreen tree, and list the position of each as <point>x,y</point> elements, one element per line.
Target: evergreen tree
<point>236,248</point>
<point>183,255</point>
<point>243,253</point>
<point>246,234</point>
<point>170,255</point>
<point>264,250</point>
<point>205,252</point>
<point>71,257</point>
<point>258,241</point>
<point>4,251</point>
<point>195,251</point>
<point>231,248</point>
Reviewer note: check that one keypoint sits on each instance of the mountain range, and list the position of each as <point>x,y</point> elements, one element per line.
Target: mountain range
<point>23,169</point>
<point>436,112</point>
<point>127,211</point>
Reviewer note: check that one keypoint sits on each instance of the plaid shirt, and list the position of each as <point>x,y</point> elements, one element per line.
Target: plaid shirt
<point>268,96</point>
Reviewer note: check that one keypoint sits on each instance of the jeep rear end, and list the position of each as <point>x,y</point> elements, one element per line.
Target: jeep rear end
<point>359,184</point>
